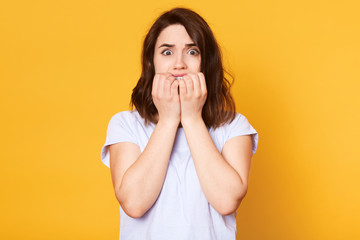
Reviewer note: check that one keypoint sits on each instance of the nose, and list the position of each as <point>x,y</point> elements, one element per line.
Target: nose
<point>180,62</point>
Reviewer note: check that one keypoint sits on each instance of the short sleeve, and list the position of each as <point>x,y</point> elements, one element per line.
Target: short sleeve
<point>120,129</point>
<point>241,126</point>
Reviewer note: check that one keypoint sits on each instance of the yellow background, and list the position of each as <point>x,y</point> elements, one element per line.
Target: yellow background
<point>67,66</point>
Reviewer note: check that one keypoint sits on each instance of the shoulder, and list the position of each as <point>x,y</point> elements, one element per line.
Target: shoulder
<point>126,115</point>
<point>237,127</point>
<point>238,121</point>
<point>127,118</point>
<point>126,124</point>
<point>240,126</point>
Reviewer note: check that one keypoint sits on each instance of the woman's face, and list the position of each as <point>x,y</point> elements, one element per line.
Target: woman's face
<point>175,52</point>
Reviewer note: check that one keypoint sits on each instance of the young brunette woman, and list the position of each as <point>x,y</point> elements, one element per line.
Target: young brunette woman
<point>180,161</point>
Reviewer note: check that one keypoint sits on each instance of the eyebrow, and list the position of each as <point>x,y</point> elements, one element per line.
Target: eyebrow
<point>173,45</point>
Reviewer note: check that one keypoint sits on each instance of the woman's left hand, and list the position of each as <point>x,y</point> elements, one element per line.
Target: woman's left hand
<point>193,95</point>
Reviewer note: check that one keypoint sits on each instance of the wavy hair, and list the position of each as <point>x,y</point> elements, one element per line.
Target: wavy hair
<point>219,107</point>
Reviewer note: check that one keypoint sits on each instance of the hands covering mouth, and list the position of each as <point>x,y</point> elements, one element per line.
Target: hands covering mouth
<point>179,100</point>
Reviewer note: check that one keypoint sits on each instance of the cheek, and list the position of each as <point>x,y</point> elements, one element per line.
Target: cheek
<point>156,64</point>
<point>197,65</point>
<point>193,63</point>
<point>160,65</point>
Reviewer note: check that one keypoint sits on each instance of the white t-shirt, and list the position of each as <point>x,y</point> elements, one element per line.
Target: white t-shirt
<point>181,211</point>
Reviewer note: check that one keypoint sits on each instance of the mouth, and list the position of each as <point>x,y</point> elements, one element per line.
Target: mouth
<point>179,76</point>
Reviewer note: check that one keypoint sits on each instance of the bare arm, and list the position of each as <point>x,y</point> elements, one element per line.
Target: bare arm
<point>223,176</point>
<point>138,177</point>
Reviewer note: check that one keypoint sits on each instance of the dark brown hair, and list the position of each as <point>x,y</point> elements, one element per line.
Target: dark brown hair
<point>219,107</point>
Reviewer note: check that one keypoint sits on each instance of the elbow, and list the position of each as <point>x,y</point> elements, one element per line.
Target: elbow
<point>131,208</point>
<point>133,211</point>
<point>230,206</point>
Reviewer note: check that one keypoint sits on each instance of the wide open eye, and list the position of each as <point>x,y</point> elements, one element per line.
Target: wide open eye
<point>193,52</point>
<point>166,52</point>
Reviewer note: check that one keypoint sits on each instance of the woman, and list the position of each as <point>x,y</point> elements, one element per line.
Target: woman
<point>180,161</point>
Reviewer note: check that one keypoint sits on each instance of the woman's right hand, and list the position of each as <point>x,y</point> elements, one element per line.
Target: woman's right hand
<point>166,98</point>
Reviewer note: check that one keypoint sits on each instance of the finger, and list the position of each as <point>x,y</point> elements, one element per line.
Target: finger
<point>182,88</point>
<point>167,74</point>
<point>197,86</point>
<point>174,88</point>
<point>161,85</point>
<point>168,81</point>
<point>189,85</point>
<point>202,83</point>
<point>160,81</point>
<point>166,78</point>
<point>166,84</point>
<point>155,85</point>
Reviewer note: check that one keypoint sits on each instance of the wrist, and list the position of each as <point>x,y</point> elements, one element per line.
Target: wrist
<point>192,121</point>
<point>168,122</point>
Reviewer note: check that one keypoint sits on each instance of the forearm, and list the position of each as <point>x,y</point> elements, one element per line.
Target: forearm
<point>142,182</point>
<point>221,184</point>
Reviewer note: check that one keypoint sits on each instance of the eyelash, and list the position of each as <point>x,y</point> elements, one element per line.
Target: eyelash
<point>196,52</point>
<point>168,50</point>
<point>164,52</point>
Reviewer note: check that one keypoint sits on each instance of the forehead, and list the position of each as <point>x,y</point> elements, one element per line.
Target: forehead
<point>174,34</point>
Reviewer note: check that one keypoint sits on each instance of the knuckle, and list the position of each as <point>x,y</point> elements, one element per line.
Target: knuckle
<point>161,75</point>
<point>191,75</point>
<point>155,95</point>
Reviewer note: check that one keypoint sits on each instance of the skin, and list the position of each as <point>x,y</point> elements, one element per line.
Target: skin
<point>138,177</point>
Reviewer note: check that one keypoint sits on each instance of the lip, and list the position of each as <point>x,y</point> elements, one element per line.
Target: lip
<point>179,75</point>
